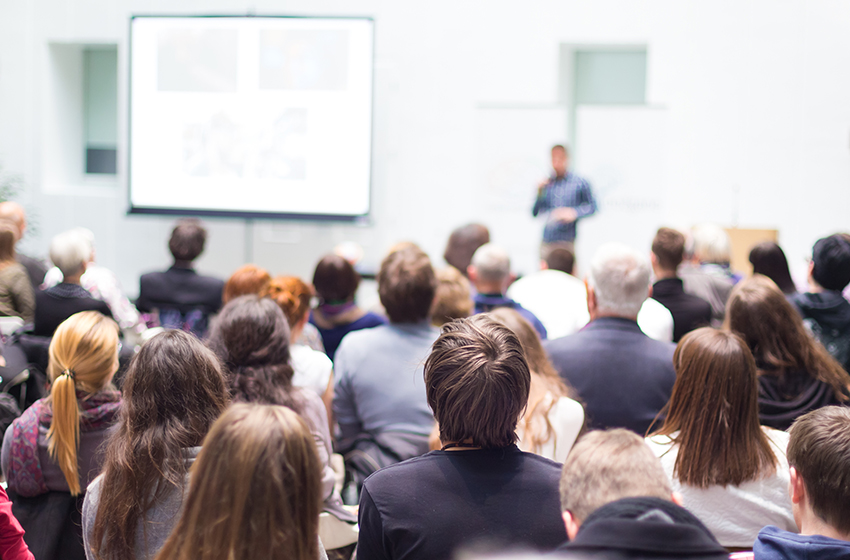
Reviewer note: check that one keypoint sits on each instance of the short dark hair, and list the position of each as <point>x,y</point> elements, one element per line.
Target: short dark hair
<point>669,248</point>
<point>819,449</point>
<point>831,260</point>
<point>462,244</point>
<point>560,258</point>
<point>477,382</point>
<point>335,279</point>
<point>187,240</point>
<point>407,285</point>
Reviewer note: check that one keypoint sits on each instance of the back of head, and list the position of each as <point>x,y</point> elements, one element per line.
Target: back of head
<point>8,239</point>
<point>605,466</point>
<point>14,213</point>
<point>259,465</point>
<point>247,280</point>
<point>711,244</point>
<point>535,355</point>
<point>819,449</point>
<point>335,280</point>
<point>462,244</point>
<point>453,299</point>
<point>560,258</point>
<point>83,355</point>
<point>831,262</point>
<point>713,412</point>
<point>407,285</point>
<point>477,382</point>
<point>187,240</point>
<point>293,295</point>
<point>769,260</point>
<point>492,263</point>
<point>71,250</point>
<point>668,246</point>
<point>173,391</point>
<point>619,276</point>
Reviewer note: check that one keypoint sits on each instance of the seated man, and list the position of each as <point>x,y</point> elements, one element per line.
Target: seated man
<point>183,298</point>
<point>617,503</point>
<point>705,272</point>
<point>462,244</point>
<point>819,457</point>
<point>490,273</point>
<point>623,377</point>
<point>480,489</point>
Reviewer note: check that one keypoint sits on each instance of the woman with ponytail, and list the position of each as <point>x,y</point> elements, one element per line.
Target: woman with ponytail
<point>53,445</point>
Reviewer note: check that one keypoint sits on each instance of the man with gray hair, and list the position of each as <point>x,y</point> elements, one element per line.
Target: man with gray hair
<point>623,377</point>
<point>490,273</point>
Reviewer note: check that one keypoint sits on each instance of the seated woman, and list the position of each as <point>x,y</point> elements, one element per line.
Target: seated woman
<point>16,295</point>
<point>769,260</point>
<point>255,491</point>
<point>336,283</point>
<point>251,336</point>
<point>552,420</point>
<point>173,392</point>
<point>796,374</point>
<point>732,473</point>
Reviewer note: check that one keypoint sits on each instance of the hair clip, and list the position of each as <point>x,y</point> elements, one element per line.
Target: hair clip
<point>70,373</point>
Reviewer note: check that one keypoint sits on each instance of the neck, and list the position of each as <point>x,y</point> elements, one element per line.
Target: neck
<point>814,287</point>
<point>812,525</point>
<point>73,278</point>
<point>489,288</point>
<point>183,264</point>
<point>664,274</point>
<point>602,314</point>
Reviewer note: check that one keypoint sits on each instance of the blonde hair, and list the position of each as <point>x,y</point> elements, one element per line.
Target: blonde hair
<point>453,299</point>
<point>83,355</point>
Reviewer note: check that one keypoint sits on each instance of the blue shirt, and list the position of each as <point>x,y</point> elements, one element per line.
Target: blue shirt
<point>570,191</point>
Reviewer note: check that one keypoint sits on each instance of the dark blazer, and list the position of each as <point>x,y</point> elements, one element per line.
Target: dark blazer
<point>36,270</point>
<point>689,311</point>
<point>179,288</point>
<point>54,305</point>
<point>623,377</point>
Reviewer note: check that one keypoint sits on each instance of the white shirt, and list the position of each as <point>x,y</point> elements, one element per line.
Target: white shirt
<point>655,320</point>
<point>558,299</point>
<point>567,418</point>
<point>312,368</point>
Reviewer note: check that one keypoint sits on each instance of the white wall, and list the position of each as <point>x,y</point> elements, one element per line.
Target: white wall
<point>755,94</point>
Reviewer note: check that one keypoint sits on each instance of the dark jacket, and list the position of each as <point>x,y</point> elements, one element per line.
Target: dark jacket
<point>54,305</point>
<point>623,377</point>
<point>184,298</point>
<point>643,528</point>
<point>488,302</point>
<point>827,315</point>
<point>35,270</point>
<point>689,312</point>
<point>776,544</point>
<point>784,398</point>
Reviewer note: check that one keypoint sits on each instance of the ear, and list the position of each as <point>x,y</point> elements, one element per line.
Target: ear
<point>677,499</point>
<point>571,523</point>
<point>543,265</point>
<point>796,488</point>
<point>472,273</point>
<point>653,259</point>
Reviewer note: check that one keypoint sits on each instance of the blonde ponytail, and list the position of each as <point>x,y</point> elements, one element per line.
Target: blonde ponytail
<point>63,437</point>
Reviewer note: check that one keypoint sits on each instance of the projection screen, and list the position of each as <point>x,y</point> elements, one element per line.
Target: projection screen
<point>251,116</point>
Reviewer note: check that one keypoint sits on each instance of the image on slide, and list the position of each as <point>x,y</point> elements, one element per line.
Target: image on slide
<point>304,59</point>
<point>197,60</point>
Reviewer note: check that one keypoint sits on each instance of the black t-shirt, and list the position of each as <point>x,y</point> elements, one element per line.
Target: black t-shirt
<point>427,507</point>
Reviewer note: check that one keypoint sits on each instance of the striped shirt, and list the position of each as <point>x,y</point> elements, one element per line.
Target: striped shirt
<point>570,191</point>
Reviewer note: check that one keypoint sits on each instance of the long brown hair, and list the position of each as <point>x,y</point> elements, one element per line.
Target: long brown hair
<point>293,295</point>
<point>713,412</point>
<point>83,355</point>
<point>173,392</point>
<point>255,491</point>
<point>758,311</point>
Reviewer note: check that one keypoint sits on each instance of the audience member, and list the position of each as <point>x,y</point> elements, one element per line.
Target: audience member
<point>769,260</point>
<point>622,376</point>
<point>183,298</point>
<point>617,503</point>
<point>819,457</point>
<point>173,392</point>
<point>480,486</point>
<point>336,282</point>
<point>70,253</point>
<point>251,337</point>
<point>12,544</point>
<point>313,369</point>
<point>705,270</point>
<point>16,293</point>
<point>796,374</point>
<point>454,297</point>
<point>247,280</point>
<point>731,472</point>
<point>379,400</point>
<point>462,244</point>
<point>490,273</point>
<point>553,294</point>
<point>255,491</point>
<point>14,212</point>
<point>689,311</point>
<point>552,420</point>
<point>824,309</point>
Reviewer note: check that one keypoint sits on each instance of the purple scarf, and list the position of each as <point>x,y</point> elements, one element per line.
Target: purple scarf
<point>97,411</point>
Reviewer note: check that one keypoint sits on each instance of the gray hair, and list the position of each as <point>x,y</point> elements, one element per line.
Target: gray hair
<point>71,249</point>
<point>710,244</point>
<point>492,263</point>
<point>619,276</point>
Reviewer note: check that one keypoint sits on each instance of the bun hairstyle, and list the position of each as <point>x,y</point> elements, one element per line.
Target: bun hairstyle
<point>83,356</point>
<point>293,295</point>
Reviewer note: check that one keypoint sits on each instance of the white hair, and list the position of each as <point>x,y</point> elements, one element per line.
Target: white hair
<point>619,276</point>
<point>492,263</point>
<point>710,244</point>
<point>71,249</point>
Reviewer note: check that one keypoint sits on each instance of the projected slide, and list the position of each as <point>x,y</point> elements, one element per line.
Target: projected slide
<point>251,116</point>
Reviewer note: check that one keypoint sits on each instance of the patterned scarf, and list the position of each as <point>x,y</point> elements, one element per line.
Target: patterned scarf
<point>97,411</point>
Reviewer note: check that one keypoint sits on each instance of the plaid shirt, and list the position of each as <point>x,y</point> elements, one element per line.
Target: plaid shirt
<point>570,191</point>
